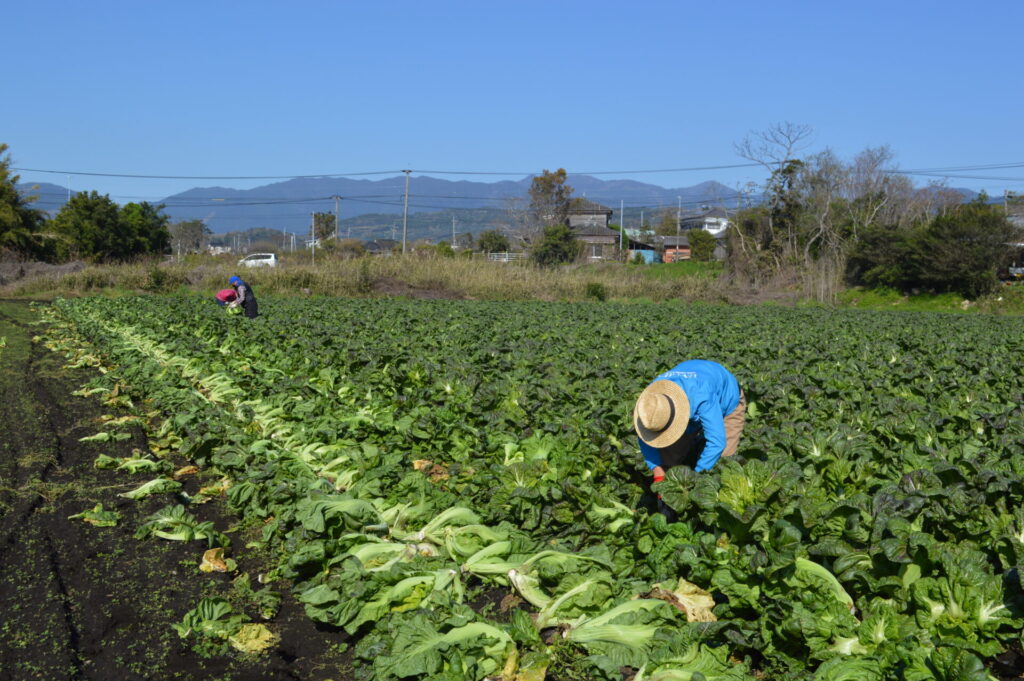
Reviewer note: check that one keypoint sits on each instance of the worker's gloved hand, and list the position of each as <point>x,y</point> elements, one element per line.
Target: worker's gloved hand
<point>658,478</point>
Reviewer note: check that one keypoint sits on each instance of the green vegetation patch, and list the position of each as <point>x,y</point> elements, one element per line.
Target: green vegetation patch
<point>403,466</point>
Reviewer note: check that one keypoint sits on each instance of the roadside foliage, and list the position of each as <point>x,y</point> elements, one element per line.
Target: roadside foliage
<point>457,488</point>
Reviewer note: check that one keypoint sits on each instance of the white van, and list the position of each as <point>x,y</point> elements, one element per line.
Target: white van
<point>259,260</point>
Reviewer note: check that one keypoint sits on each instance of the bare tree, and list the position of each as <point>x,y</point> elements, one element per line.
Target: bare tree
<point>776,145</point>
<point>822,179</point>
<point>518,223</point>
<point>776,149</point>
<point>188,236</point>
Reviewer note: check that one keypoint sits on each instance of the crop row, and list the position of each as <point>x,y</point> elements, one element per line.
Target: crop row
<point>401,458</point>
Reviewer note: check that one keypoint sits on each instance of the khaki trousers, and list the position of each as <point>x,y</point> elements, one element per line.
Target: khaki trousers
<point>734,426</point>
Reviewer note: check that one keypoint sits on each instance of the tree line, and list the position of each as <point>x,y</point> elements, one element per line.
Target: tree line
<point>826,223</point>
<point>90,226</point>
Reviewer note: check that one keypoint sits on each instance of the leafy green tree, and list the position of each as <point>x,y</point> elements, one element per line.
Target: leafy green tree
<point>962,250</point>
<point>90,227</point>
<point>558,245</point>
<point>323,225</point>
<point>702,245</point>
<point>492,241</point>
<point>146,225</point>
<point>445,250</point>
<point>93,227</point>
<point>880,258</point>
<point>550,198</point>
<point>20,224</point>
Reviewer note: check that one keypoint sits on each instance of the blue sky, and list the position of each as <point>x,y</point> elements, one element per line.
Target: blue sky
<point>275,88</point>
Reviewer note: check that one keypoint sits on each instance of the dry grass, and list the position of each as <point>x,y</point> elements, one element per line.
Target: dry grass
<point>414,276</point>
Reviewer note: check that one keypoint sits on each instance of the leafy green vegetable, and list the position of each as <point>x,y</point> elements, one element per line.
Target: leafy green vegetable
<point>98,517</point>
<point>212,617</point>
<point>155,486</point>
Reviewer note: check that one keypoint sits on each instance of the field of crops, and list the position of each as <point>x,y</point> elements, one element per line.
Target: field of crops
<point>456,488</point>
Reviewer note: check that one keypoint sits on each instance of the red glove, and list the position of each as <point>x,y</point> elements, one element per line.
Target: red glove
<point>659,478</point>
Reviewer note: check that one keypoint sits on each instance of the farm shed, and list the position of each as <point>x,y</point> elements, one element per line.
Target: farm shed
<point>674,248</point>
<point>649,255</point>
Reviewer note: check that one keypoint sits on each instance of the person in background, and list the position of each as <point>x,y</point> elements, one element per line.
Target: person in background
<point>225,296</point>
<point>691,415</point>
<point>246,298</point>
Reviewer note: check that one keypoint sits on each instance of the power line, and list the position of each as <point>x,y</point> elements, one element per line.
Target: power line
<point>375,172</point>
<point>594,172</point>
<point>205,177</point>
<point>397,173</point>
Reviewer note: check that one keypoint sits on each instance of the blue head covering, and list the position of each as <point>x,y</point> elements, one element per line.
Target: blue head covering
<point>235,280</point>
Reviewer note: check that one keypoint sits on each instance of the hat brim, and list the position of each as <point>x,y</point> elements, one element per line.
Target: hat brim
<point>676,425</point>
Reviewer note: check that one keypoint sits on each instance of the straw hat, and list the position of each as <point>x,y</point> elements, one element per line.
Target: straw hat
<point>661,414</point>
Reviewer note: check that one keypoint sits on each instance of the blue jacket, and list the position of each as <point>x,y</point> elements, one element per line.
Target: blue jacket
<point>713,393</point>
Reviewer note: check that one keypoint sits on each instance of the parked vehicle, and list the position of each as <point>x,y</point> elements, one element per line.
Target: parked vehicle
<point>259,260</point>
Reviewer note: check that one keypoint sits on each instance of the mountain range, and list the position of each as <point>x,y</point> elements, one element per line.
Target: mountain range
<point>437,207</point>
<point>288,205</point>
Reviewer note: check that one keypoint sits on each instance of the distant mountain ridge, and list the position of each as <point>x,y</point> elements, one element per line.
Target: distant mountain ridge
<point>475,206</point>
<point>288,204</point>
<point>49,197</point>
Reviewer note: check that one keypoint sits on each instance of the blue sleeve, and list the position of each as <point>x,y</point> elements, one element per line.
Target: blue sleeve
<point>651,455</point>
<point>713,422</point>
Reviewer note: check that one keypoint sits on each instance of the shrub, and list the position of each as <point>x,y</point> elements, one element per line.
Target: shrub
<point>596,291</point>
<point>557,246</point>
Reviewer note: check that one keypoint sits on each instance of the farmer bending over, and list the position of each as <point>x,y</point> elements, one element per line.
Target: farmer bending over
<point>246,298</point>
<point>225,296</point>
<point>691,415</point>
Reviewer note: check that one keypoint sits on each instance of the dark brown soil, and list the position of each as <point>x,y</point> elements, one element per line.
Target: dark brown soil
<point>82,602</point>
<point>388,286</point>
<point>1008,666</point>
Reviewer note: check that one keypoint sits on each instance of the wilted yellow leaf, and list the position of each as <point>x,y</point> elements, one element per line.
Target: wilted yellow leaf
<point>253,638</point>
<point>186,470</point>
<point>213,561</point>
<point>688,598</point>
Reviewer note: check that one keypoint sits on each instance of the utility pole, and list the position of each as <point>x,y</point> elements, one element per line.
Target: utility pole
<point>453,231</point>
<point>679,217</point>
<point>622,219</point>
<point>312,234</point>
<point>405,211</point>
<point>337,229</point>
